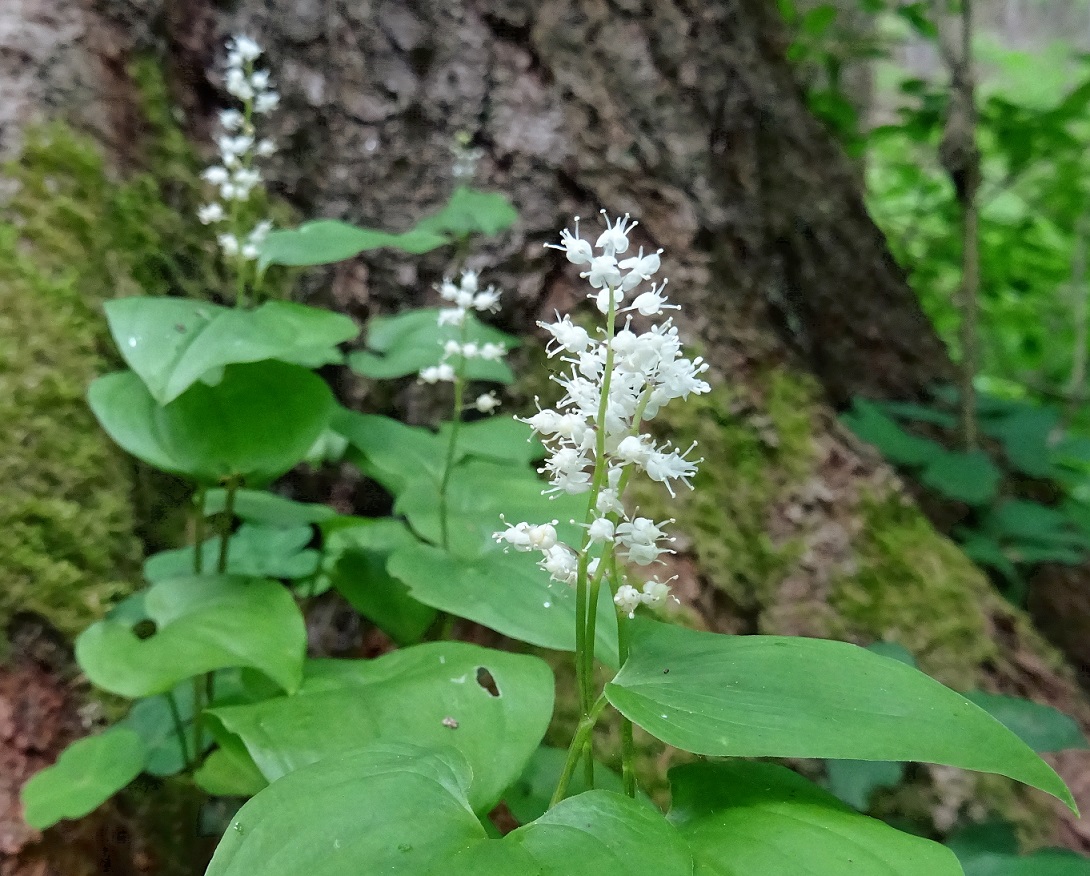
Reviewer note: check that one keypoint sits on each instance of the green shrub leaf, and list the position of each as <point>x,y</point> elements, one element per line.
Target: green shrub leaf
<point>88,773</point>
<point>762,818</point>
<point>327,240</point>
<point>172,343</point>
<point>491,706</point>
<point>211,433</point>
<point>202,624</point>
<point>773,696</point>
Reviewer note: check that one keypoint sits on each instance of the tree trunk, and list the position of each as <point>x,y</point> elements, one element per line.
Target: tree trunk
<point>686,115</point>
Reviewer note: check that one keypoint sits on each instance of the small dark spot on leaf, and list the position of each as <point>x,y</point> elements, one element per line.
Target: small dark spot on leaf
<point>666,672</point>
<point>485,680</point>
<point>144,629</point>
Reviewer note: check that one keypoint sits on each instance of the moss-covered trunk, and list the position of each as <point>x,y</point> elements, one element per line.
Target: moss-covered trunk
<point>686,115</point>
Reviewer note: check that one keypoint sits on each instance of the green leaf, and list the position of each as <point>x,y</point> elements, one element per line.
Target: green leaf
<point>391,809</point>
<point>598,833</point>
<point>497,438</point>
<point>151,718</point>
<point>260,506</point>
<point>992,850</point>
<point>1041,727</point>
<point>920,413</point>
<point>481,494</point>
<point>253,551</point>
<point>173,343</point>
<point>818,20</point>
<point>867,421</point>
<point>328,240</point>
<point>471,211</point>
<point>229,771</point>
<point>88,773</point>
<point>529,797</point>
<point>211,433</point>
<point>506,592</point>
<point>202,624</point>
<point>1026,435</point>
<point>398,346</point>
<point>855,781</point>
<point>394,454</point>
<point>432,695</point>
<point>749,818</point>
<point>357,551</point>
<point>966,477</point>
<point>773,696</point>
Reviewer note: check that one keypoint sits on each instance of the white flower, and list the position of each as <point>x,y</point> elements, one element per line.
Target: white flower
<point>561,563</point>
<point>652,302</point>
<point>566,335</point>
<point>265,148</point>
<point>655,592</point>
<point>244,47</point>
<point>487,300</point>
<point>634,449</point>
<point>229,244</point>
<point>238,85</point>
<point>259,79</point>
<point>487,403</point>
<point>600,530</point>
<point>211,213</point>
<point>614,239</point>
<point>451,316</point>
<point>576,249</point>
<point>640,268</point>
<point>438,373</point>
<point>492,352</point>
<point>231,120</point>
<point>628,599</point>
<point>603,272</point>
<point>665,467</point>
<point>266,102</point>
<point>216,175</point>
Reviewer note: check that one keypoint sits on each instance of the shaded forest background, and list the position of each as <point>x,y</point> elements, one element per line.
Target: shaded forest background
<point>788,161</point>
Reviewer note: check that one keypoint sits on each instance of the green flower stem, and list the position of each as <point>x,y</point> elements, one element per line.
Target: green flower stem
<point>198,708</point>
<point>228,518</point>
<point>448,465</point>
<point>579,746</point>
<point>198,531</point>
<point>624,645</point>
<point>179,728</point>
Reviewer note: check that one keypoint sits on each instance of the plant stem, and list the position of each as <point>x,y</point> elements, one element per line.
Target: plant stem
<point>198,707</point>
<point>198,532</point>
<point>179,728</point>
<point>448,465</point>
<point>578,747</point>
<point>225,524</point>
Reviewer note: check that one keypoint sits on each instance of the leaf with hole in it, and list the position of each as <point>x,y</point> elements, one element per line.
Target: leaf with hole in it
<point>253,551</point>
<point>965,477</point>
<point>506,592</point>
<point>172,343</point>
<point>356,553</point>
<point>491,706</point>
<point>398,346</point>
<point>202,624</point>
<point>867,421</point>
<point>773,696</point>
<point>259,421</point>
<point>749,818</point>
<point>325,241</point>
<point>393,809</point>
<point>86,775</point>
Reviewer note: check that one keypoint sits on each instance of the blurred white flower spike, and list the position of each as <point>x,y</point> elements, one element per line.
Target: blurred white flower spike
<point>617,380</point>
<point>235,177</point>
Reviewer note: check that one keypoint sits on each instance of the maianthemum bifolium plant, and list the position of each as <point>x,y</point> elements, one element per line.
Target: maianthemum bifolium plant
<point>391,765</point>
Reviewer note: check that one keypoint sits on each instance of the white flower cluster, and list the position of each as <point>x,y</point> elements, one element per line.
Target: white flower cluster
<point>615,383</point>
<point>463,297</point>
<point>235,176</point>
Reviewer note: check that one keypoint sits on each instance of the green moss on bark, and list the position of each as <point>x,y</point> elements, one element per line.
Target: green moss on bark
<point>71,237</point>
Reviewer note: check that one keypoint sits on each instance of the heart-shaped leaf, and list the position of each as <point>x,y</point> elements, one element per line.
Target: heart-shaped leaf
<point>745,818</point>
<point>471,211</point>
<point>88,773</point>
<point>256,423</point>
<point>773,696</point>
<point>1041,727</point>
<point>153,720</point>
<point>392,809</point>
<point>171,343</point>
<point>259,506</point>
<point>491,706</point>
<point>202,624</point>
<point>506,592</point>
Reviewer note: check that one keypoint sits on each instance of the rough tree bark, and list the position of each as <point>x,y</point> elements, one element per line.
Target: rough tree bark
<point>684,113</point>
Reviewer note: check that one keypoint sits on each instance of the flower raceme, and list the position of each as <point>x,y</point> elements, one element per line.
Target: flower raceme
<point>236,176</point>
<point>616,381</point>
